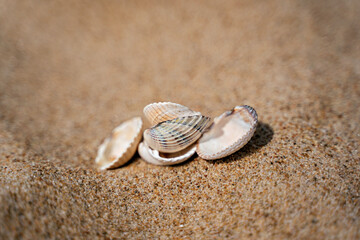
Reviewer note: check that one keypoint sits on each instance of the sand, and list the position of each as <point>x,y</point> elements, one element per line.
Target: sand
<point>71,71</point>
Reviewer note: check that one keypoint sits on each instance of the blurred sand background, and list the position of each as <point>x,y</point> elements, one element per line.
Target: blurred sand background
<point>71,71</point>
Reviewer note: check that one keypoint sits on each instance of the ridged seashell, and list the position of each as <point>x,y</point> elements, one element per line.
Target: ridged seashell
<point>229,132</point>
<point>163,111</point>
<point>176,134</point>
<point>155,157</point>
<point>121,145</point>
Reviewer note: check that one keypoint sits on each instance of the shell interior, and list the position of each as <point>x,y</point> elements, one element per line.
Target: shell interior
<point>121,145</point>
<point>164,111</point>
<point>155,157</point>
<point>176,134</point>
<point>229,132</point>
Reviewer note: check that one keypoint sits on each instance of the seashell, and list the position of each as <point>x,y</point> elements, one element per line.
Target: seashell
<point>176,134</point>
<point>121,145</point>
<point>163,111</point>
<point>229,132</point>
<point>155,157</point>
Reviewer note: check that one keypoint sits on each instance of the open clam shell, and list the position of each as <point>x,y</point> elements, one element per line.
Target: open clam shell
<point>176,134</point>
<point>163,111</point>
<point>155,157</point>
<point>121,145</point>
<point>229,132</point>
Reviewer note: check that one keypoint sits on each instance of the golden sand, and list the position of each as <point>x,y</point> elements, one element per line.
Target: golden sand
<point>71,71</point>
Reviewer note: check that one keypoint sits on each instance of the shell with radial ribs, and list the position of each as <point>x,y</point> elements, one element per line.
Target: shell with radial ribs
<point>120,147</point>
<point>176,134</point>
<point>155,157</point>
<point>229,132</point>
<point>163,111</point>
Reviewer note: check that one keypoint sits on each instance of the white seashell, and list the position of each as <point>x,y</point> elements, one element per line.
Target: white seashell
<point>155,157</point>
<point>121,146</point>
<point>176,134</point>
<point>229,132</point>
<point>163,111</point>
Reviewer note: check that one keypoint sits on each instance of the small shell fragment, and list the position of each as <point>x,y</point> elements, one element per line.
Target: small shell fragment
<point>176,134</point>
<point>164,111</point>
<point>229,132</point>
<point>121,145</point>
<point>155,157</point>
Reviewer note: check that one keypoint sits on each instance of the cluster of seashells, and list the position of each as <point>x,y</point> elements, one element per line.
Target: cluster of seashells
<point>177,133</point>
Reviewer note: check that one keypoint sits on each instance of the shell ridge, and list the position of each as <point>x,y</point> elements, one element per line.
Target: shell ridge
<point>190,131</point>
<point>176,134</point>
<point>173,133</point>
<point>162,111</point>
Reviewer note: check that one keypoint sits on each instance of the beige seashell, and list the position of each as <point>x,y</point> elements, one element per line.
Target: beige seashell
<point>176,134</point>
<point>121,146</point>
<point>155,157</point>
<point>229,132</point>
<point>164,111</point>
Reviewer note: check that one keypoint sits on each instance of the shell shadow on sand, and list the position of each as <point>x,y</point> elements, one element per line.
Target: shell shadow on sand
<point>262,136</point>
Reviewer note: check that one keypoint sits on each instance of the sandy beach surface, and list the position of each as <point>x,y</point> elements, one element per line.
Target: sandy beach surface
<point>71,71</point>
